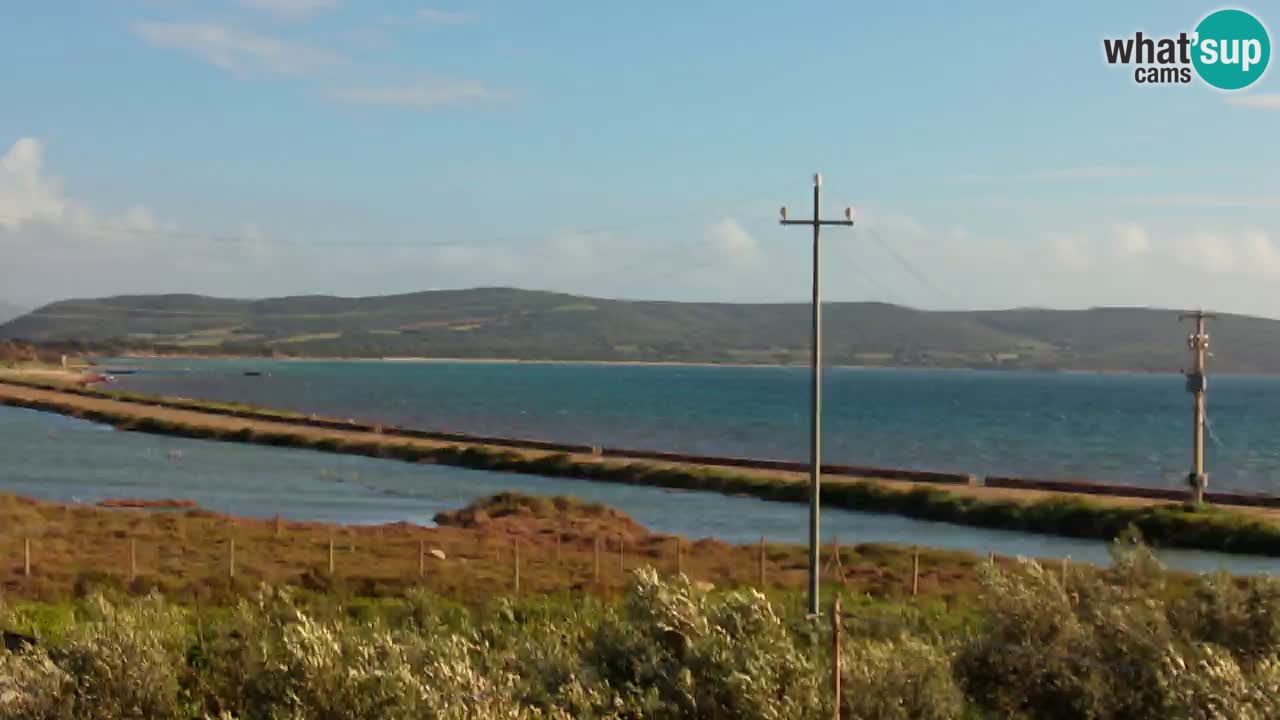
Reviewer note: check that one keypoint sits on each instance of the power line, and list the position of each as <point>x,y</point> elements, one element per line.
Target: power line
<point>910,267</point>
<point>886,292</point>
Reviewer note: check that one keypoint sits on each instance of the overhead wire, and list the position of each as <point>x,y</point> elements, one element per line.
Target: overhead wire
<point>910,267</point>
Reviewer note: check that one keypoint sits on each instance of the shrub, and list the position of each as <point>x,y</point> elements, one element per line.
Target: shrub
<point>675,653</point>
<point>1112,646</point>
<point>903,679</point>
<point>117,663</point>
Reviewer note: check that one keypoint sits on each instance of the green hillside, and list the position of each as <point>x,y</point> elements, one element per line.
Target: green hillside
<point>521,324</point>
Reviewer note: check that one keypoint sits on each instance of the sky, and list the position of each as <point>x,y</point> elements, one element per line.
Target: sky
<point>256,148</point>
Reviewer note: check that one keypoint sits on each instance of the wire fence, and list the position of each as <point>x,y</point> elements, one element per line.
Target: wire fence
<point>76,548</point>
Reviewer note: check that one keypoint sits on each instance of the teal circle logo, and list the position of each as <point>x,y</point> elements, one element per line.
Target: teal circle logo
<point>1232,49</point>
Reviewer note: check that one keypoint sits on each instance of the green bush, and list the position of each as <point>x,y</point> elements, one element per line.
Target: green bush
<point>1111,645</point>
<point>903,679</point>
<point>1128,641</point>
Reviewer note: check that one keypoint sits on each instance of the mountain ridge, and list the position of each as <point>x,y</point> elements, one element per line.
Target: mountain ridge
<point>510,323</point>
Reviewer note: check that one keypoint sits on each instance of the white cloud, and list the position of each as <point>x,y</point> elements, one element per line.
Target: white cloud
<point>1256,100</point>
<point>290,9</point>
<point>735,244</point>
<point>1070,251</point>
<point>425,95</point>
<point>59,246</point>
<point>891,225</point>
<point>1210,252</point>
<point>1132,240</point>
<point>26,195</point>
<point>1261,253</point>
<point>236,50</point>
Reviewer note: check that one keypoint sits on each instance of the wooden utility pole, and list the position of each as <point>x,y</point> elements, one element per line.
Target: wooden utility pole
<point>815,386</point>
<point>1198,343</point>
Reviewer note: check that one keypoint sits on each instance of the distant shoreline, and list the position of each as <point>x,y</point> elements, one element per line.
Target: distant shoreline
<point>652,363</point>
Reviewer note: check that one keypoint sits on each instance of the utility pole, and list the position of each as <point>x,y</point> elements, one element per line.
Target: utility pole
<point>815,387</point>
<point>1198,343</point>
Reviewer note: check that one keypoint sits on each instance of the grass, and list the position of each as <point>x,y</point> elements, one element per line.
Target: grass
<point>1162,524</point>
<point>186,555</point>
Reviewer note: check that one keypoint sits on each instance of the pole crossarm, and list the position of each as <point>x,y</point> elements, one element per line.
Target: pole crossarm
<point>815,387</point>
<point>846,223</point>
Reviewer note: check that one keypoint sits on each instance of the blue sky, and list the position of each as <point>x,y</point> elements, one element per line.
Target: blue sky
<point>263,147</point>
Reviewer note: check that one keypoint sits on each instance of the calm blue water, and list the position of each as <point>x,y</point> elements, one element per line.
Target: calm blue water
<point>58,458</point>
<point>1114,428</point>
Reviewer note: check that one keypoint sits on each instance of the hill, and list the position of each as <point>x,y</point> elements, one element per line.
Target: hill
<point>535,325</point>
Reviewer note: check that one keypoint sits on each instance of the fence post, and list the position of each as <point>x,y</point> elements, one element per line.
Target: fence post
<point>622,562</point>
<point>1066,562</point>
<point>231,562</point>
<point>595,573</point>
<point>915,573</point>
<point>133,559</point>
<point>331,551</point>
<point>835,654</point>
<point>762,562</point>
<point>279,526</point>
<point>422,558</point>
<point>517,564</point>
<point>26,557</point>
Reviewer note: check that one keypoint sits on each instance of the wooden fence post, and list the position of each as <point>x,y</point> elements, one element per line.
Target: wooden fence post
<point>330,552</point>
<point>422,558</point>
<point>26,557</point>
<point>1066,562</point>
<point>622,562</point>
<point>279,526</point>
<point>595,573</point>
<point>231,561</point>
<point>835,654</point>
<point>516,552</point>
<point>762,562</point>
<point>133,559</point>
<point>915,573</point>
